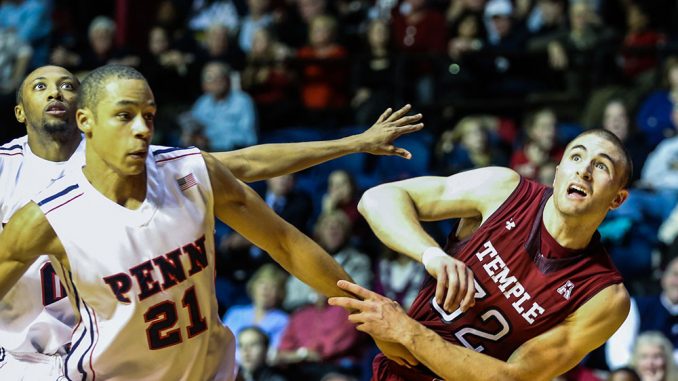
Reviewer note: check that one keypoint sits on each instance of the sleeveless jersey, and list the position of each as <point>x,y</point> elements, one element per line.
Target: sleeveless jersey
<point>143,280</point>
<point>35,315</point>
<point>526,283</point>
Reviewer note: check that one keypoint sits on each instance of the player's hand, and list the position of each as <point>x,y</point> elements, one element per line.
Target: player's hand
<point>378,139</point>
<point>374,314</point>
<point>397,353</point>
<point>455,286</point>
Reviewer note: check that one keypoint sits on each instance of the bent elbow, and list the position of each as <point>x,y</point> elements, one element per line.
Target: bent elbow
<point>369,201</point>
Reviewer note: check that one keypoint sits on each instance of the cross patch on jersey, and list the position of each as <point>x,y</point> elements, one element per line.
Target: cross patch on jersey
<point>186,182</point>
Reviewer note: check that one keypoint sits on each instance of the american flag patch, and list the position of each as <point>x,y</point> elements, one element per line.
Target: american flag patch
<point>186,182</point>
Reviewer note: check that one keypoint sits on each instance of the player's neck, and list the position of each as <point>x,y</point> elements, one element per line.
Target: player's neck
<point>55,148</point>
<point>128,191</point>
<point>572,232</point>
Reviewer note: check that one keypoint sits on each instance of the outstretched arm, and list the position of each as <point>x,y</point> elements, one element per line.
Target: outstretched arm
<point>540,359</point>
<point>270,160</point>
<point>241,208</point>
<point>26,236</point>
<point>394,212</point>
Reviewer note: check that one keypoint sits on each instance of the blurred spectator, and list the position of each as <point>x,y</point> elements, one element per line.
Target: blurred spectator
<point>660,171</point>
<point>32,22</point>
<point>468,35</point>
<point>217,46</point>
<point>616,120</point>
<point>420,37</point>
<point>292,21</point>
<point>654,114</point>
<point>266,289</point>
<point>259,17</point>
<point>638,51</point>
<point>398,277</point>
<point>623,374</point>
<point>207,13</point>
<point>547,17</point>
<point>319,339</point>
<point>15,56</point>
<point>166,69</point>
<point>342,195</point>
<point>459,8</point>
<point>652,358</point>
<point>583,53</point>
<point>227,115</point>
<point>374,75</point>
<point>269,81</point>
<point>253,345</point>
<point>648,313</point>
<point>468,146</point>
<point>324,78</point>
<point>100,51</point>
<point>333,233</point>
<point>238,258</point>
<point>539,154</point>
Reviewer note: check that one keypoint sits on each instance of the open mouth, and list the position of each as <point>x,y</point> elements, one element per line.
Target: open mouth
<point>56,108</point>
<point>576,191</point>
<point>139,154</point>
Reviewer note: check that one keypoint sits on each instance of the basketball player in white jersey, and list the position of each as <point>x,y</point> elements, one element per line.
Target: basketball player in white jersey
<point>36,318</point>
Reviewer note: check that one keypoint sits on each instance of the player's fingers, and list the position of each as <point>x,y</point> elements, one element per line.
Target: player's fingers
<point>402,111</point>
<point>400,152</point>
<point>452,289</point>
<point>441,286</point>
<point>356,289</point>
<point>463,285</point>
<point>410,119</point>
<point>469,298</point>
<point>384,115</point>
<point>408,129</point>
<point>342,301</point>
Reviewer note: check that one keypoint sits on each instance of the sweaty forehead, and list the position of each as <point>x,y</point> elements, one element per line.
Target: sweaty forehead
<point>50,72</point>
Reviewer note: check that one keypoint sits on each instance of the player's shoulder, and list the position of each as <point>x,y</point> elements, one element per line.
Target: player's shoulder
<point>488,183</point>
<point>14,149</point>
<point>60,192</point>
<point>164,154</point>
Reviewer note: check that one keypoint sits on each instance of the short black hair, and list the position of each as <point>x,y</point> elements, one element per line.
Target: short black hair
<point>90,89</point>
<point>612,138</point>
<point>258,331</point>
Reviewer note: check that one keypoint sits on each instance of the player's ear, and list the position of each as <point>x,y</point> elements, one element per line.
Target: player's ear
<point>619,199</point>
<point>19,114</point>
<point>85,120</point>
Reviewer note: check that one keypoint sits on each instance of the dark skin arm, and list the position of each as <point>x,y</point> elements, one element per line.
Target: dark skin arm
<point>264,161</point>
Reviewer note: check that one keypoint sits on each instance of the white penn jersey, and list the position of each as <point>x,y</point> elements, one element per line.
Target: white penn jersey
<point>35,316</point>
<point>143,279</point>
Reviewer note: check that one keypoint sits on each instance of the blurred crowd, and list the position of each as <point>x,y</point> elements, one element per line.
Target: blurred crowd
<point>499,82</point>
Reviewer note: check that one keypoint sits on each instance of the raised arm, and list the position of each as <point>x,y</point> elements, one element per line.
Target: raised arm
<point>270,160</point>
<point>26,236</point>
<point>241,208</point>
<point>394,212</point>
<point>540,359</point>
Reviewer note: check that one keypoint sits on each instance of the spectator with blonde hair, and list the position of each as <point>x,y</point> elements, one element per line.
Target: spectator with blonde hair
<point>266,289</point>
<point>653,359</point>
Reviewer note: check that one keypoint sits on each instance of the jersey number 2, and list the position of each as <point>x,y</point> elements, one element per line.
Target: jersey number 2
<point>489,314</point>
<point>161,333</point>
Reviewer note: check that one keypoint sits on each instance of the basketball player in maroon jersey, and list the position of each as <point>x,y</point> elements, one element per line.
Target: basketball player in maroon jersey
<point>535,290</point>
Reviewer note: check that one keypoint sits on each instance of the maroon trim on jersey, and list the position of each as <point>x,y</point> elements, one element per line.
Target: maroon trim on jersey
<point>454,244</point>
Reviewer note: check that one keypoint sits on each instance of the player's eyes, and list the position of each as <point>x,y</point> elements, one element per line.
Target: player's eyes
<point>67,86</point>
<point>39,86</point>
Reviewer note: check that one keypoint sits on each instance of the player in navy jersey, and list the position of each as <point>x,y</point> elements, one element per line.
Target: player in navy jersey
<point>535,289</point>
<point>36,319</point>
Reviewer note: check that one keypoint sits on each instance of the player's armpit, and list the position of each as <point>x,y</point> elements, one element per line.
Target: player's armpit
<point>560,349</point>
<point>26,236</point>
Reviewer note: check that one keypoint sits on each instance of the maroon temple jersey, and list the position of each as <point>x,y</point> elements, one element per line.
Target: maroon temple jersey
<point>526,283</point>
